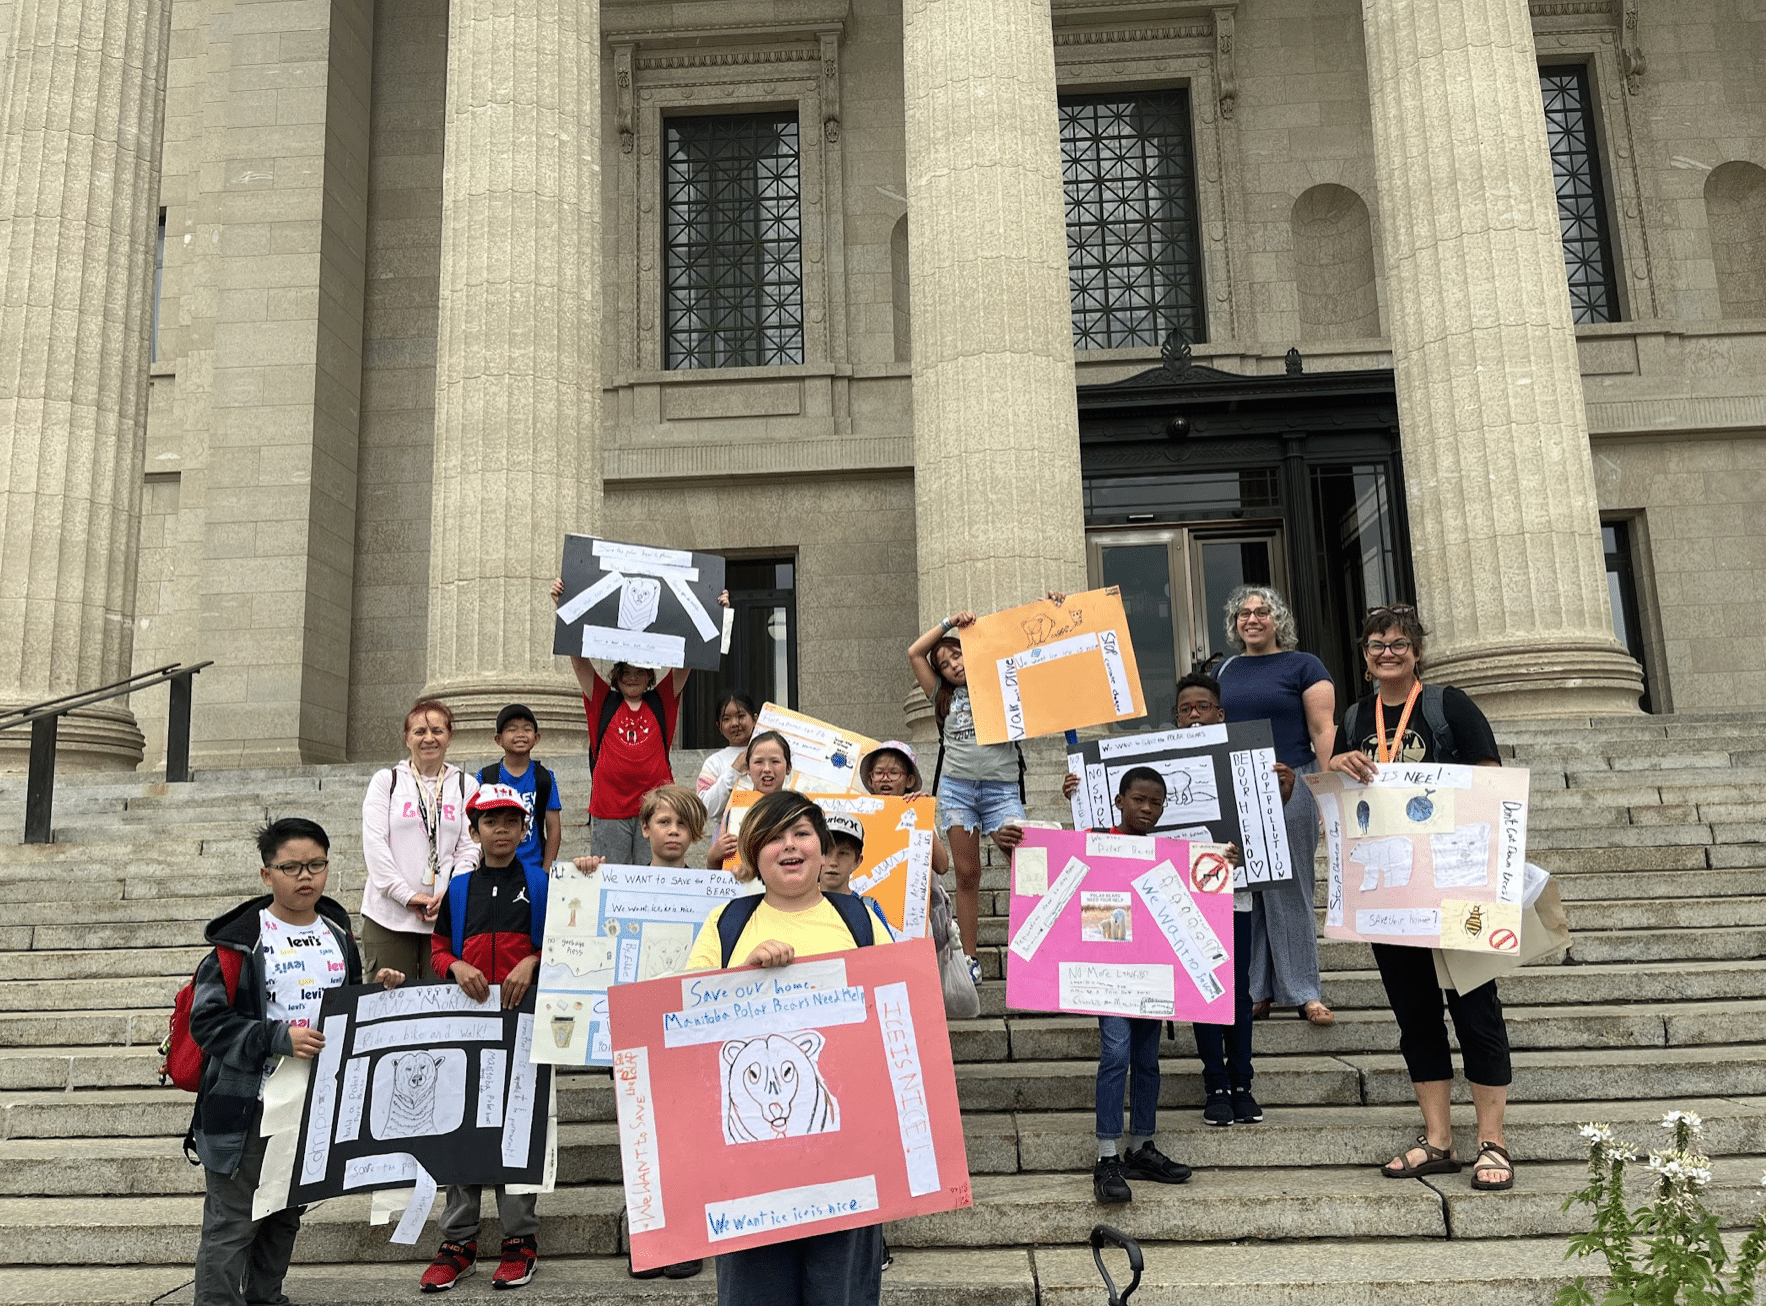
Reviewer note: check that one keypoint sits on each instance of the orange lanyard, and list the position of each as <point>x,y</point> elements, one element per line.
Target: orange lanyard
<point>1389,749</point>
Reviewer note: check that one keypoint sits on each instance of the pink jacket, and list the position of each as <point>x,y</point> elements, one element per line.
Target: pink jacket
<point>395,846</point>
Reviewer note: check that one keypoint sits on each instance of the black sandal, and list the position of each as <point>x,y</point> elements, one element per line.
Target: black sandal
<point>1480,1165</point>
<point>1436,1160</point>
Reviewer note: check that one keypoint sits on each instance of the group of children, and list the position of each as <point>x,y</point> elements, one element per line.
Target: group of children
<point>489,919</point>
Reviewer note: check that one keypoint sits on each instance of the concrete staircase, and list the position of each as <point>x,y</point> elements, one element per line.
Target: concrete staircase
<point>1654,827</point>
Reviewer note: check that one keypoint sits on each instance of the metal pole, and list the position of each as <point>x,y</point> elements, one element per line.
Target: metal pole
<point>178,731</point>
<point>40,783</point>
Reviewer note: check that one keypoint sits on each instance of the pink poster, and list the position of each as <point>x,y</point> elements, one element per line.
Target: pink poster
<point>1121,925</point>
<point>757,1106</point>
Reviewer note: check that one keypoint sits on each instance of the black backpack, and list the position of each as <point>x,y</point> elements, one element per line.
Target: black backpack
<point>610,705</point>
<point>739,911</point>
<point>542,787</point>
<point>1434,704</point>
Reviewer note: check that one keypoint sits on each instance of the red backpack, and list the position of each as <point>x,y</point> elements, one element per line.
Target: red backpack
<point>183,1058</point>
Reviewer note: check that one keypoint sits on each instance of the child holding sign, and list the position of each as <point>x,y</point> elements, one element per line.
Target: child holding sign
<point>980,787</point>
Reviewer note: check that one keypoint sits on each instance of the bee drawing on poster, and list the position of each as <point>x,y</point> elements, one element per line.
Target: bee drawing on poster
<point>773,1088</point>
<point>630,603</point>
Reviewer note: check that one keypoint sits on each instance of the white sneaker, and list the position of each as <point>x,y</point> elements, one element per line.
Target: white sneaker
<point>975,972</point>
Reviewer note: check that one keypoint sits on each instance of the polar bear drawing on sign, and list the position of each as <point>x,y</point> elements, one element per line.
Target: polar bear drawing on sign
<point>773,1088</point>
<point>411,1113</point>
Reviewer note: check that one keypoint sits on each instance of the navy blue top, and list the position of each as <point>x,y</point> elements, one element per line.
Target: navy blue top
<point>1268,688</point>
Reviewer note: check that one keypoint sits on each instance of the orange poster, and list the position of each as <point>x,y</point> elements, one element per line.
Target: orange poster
<point>897,865</point>
<point>1046,667</point>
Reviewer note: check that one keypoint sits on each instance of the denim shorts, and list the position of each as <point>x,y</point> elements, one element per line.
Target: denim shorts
<point>979,805</point>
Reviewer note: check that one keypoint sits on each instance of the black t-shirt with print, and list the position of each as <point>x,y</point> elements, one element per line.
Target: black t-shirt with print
<point>1473,739</point>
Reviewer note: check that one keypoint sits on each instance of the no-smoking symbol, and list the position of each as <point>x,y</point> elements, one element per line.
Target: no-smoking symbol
<point>1505,941</point>
<point>1210,873</point>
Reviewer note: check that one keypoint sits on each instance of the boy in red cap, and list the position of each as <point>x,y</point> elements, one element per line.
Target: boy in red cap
<point>487,932</point>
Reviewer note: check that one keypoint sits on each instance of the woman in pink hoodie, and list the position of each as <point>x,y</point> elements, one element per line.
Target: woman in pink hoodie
<point>414,837</point>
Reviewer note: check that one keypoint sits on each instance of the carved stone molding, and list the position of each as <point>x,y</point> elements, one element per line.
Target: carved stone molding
<point>1107,36</point>
<point>1228,87</point>
<point>622,83</point>
<point>830,43</point>
<point>1631,60</point>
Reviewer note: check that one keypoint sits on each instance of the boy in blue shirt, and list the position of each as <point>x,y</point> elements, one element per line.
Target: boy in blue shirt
<point>518,734</point>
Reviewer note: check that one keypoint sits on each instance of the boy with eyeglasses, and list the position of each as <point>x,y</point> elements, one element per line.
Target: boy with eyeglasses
<point>284,949</point>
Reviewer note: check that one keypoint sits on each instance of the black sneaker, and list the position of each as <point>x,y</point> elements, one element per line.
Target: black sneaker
<point>1107,1183</point>
<point>1245,1108</point>
<point>1148,1162</point>
<point>1219,1108</point>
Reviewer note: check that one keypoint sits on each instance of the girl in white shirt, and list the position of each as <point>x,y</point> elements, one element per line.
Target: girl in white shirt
<point>414,836</point>
<point>726,770</point>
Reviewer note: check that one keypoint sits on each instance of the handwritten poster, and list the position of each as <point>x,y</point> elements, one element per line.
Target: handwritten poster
<point>617,926</point>
<point>757,1106</point>
<point>1432,856</point>
<point>824,758</point>
<point>417,1087</point>
<point>650,607</point>
<point>1220,787</point>
<point>1044,668</point>
<point>1120,925</point>
<point>897,865</point>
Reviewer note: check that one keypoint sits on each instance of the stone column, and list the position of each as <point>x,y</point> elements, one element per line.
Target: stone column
<point>996,427</point>
<point>1505,531</point>
<point>518,356</point>
<point>82,93</point>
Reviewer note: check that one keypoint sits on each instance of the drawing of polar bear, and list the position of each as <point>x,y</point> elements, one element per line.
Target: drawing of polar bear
<point>773,1088</point>
<point>411,1112</point>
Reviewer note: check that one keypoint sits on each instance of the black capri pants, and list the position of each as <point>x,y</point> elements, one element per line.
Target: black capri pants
<point>1415,997</point>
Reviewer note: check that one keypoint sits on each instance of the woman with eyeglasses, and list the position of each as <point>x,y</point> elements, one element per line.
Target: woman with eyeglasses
<point>1405,720</point>
<point>1270,679</point>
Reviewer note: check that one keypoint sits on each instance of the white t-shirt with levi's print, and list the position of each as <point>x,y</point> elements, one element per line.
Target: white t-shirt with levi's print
<point>300,963</point>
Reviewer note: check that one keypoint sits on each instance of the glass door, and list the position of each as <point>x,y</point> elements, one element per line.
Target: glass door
<point>1174,583</point>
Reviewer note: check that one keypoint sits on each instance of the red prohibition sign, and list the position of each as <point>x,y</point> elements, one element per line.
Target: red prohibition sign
<point>1211,873</point>
<point>1504,941</point>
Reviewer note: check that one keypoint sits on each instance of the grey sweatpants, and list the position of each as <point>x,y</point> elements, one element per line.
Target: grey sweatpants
<point>1284,931</point>
<point>241,1261</point>
<point>619,840</point>
<point>826,1269</point>
<point>459,1222</point>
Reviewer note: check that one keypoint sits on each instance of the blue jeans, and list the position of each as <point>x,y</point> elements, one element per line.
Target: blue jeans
<point>1128,1042</point>
<point>979,805</point>
<point>1215,1043</point>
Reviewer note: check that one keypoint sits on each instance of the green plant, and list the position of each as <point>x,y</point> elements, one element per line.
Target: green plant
<point>1669,1251</point>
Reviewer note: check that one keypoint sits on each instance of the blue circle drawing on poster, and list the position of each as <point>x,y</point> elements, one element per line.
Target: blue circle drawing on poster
<point>1420,808</point>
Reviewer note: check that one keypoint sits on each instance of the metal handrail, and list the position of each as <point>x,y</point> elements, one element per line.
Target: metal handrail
<point>44,720</point>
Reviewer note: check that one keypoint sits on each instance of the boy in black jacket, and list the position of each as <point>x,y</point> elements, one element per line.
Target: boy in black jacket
<point>295,943</point>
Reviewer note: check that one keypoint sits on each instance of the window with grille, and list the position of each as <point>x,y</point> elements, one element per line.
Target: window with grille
<point>1582,208</point>
<point>732,238</point>
<point>1134,262</point>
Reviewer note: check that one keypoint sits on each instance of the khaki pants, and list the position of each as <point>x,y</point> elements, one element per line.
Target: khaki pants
<point>403,952</point>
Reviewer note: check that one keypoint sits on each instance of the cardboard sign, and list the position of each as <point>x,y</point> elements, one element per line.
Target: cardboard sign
<point>651,607</point>
<point>897,866</point>
<point>1428,855</point>
<point>761,1105</point>
<point>617,926</point>
<point>1121,925</point>
<point>1042,668</point>
<point>414,1086</point>
<point>1220,787</point>
<point>824,758</point>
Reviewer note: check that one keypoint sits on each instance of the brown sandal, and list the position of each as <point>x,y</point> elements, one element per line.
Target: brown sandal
<point>1322,1017</point>
<point>1436,1160</point>
<point>1480,1165</point>
<point>1260,1010</point>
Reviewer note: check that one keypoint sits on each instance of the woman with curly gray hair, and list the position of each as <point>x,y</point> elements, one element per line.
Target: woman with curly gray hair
<point>1270,679</point>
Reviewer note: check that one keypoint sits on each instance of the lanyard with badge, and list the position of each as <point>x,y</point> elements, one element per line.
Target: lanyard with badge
<point>1389,748</point>
<point>429,810</point>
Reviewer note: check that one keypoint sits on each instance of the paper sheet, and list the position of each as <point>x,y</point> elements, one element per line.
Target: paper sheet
<point>518,1115</point>
<point>1197,948</point>
<point>1030,872</point>
<point>1461,858</point>
<point>1141,989</point>
<point>493,1065</point>
<point>901,1048</point>
<point>355,1097</point>
<point>1399,922</point>
<point>1037,925</point>
<point>1263,833</point>
<point>788,1208</point>
<point>637,1139</point>
<point>411,1224</point>
<point>1480,926</point>
<point>323,1108</point>
<point>1332,818</point>
<point>749,1017</point>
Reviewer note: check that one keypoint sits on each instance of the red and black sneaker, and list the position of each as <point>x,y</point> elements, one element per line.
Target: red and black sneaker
<point>451,1264</point>
<point>520,1258</point>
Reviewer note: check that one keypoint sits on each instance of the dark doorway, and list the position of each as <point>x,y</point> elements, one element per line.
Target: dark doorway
<point>762,662</point>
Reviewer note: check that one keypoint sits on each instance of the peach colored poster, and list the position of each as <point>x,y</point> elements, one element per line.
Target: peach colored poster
<point>1047,667</point>
<point>1432,856</point>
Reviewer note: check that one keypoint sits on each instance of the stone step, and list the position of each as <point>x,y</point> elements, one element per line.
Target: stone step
<point>1574,1075</point>
<point>1312,1136</point>
<point>1540,843</point>
<point>91,994</point>
<point>1072,1085</point>
<point>1215,1206</point>
<point>164,1230</point>
<point>919,1277</point>
<point>31,1030</point>
<point>1697,884</point>
<point>1709,943</point>
<point>80,1067</point>
<point>1725,776</point>
<point>105,961</point>
<point>1664,913</point>
<point>1535,1204</point>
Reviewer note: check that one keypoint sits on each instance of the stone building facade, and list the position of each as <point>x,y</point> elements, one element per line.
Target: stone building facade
<point>426,288</point>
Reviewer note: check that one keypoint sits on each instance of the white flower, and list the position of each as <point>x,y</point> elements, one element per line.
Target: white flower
<point>1621,1152</point>
<point>1599,1133</point>
<point>1689,1118</point>
<point>1763,1181</point>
